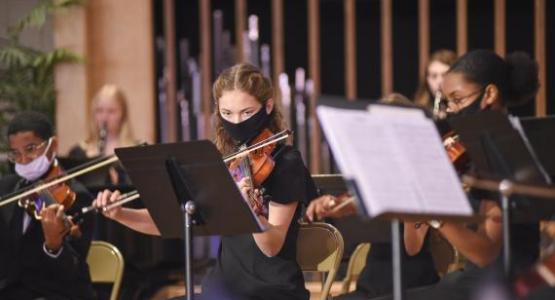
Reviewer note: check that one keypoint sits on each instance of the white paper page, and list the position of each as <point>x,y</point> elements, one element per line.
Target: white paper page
<point>397,159</point>
<point>362,150</point>
<point>437,186</point>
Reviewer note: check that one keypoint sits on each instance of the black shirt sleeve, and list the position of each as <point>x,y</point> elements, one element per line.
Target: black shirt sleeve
<point>288,181</point>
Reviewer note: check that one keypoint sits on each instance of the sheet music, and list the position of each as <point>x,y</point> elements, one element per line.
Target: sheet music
<point>396,158</point>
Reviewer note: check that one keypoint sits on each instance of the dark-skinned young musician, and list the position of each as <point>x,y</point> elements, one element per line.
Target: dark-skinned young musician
<point>261,265</point>
<point>480,80</point>
<point>39,259</point>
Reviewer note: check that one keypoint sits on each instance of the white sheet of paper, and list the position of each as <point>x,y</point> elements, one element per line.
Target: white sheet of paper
<point>396,158</point>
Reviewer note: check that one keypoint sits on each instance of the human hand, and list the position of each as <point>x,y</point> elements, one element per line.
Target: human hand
<point>320,207</point>
<point>105,198</point>
<point>53,226</point>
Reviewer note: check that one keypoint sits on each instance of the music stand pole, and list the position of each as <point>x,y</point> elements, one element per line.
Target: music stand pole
<point>505,190</point>
<point>396,251</point>
<point>189,209</point>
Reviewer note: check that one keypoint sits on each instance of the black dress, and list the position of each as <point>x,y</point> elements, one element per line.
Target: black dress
<point>242,270</point>
<point>472,280</point>
<point>376,277</point>
<point>26,271</point>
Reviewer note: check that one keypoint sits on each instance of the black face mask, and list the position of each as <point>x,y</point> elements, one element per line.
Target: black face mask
<point>248,129</point>
<point>473,108</point>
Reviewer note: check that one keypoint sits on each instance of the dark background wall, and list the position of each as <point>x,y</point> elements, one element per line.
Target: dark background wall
<point>520,36</point>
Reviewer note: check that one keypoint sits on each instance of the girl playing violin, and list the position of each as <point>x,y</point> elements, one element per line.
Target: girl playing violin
<point>39,259</point>
<point>261,265</point>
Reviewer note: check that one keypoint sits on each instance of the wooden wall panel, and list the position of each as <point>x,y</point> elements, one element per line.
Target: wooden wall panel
<point>387,46</point>
<point>423,36</point>
<point>116,38</point>
<point>313,12</point>
<point>240,27</point>
<point>500,27</point>
<point>539,49</point>
<point>349,11</point>
<point>206,63</point>
<point>278,56</point>
<point>171,72</point>
<point>71,80</point>
<point>462,27</point>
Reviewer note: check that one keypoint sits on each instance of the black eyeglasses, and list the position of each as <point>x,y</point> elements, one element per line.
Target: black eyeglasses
<point>31,151</point>
<point>459,102</point>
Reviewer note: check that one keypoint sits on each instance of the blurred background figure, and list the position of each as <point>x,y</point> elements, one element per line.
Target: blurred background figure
<point>109,129</point>
<point>439,63</point>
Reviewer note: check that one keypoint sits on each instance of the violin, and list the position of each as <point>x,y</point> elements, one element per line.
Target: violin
<point>261,167</point>
<point>59,193</point>
<point>541,274</point>
<point>456,152</point>
<point>257,165</point>
<point>55,178</point>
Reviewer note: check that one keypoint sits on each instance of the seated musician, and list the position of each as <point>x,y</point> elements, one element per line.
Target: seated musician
<point>40,259</point>
<point>260,265</point>
<point>481,80</point>
<point>110,128</point>
<point>376,277</point>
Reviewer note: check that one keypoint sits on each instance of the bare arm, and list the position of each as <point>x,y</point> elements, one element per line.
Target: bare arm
<point>136,219</point>
<point>482,246</point>
<point>328,206</point>
<point>271,241</point>
<point>414,237</point>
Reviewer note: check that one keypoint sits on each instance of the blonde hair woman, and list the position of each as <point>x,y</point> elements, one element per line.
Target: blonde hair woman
<point>110,127</point>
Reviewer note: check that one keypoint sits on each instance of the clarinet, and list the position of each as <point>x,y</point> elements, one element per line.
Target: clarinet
<point>102,136</point>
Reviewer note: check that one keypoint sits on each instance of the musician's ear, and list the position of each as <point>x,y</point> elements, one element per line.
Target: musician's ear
<point>269,105</point>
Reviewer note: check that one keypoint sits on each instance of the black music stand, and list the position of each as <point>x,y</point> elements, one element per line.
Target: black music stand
<point>395,219</point>
<point>541,135</point>
<point>372,169</point>
<point>188,190</point>
<point>358,228</point>
<point>498,152</point>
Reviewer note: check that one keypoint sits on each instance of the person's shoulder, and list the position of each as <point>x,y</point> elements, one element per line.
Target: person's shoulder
<point>288,154</point>
<point>288,159</point>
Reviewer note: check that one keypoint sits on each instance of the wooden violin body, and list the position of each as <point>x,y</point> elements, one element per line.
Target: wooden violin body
<point>60,193</point>
<point>257,165</point>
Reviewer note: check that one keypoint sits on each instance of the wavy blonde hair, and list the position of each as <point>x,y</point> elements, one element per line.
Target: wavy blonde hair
<point>126,136</point>
<point>422,97</point>
<point>249,79</point>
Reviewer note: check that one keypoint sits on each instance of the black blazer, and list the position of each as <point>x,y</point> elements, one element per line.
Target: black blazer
<point>23,262</point>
